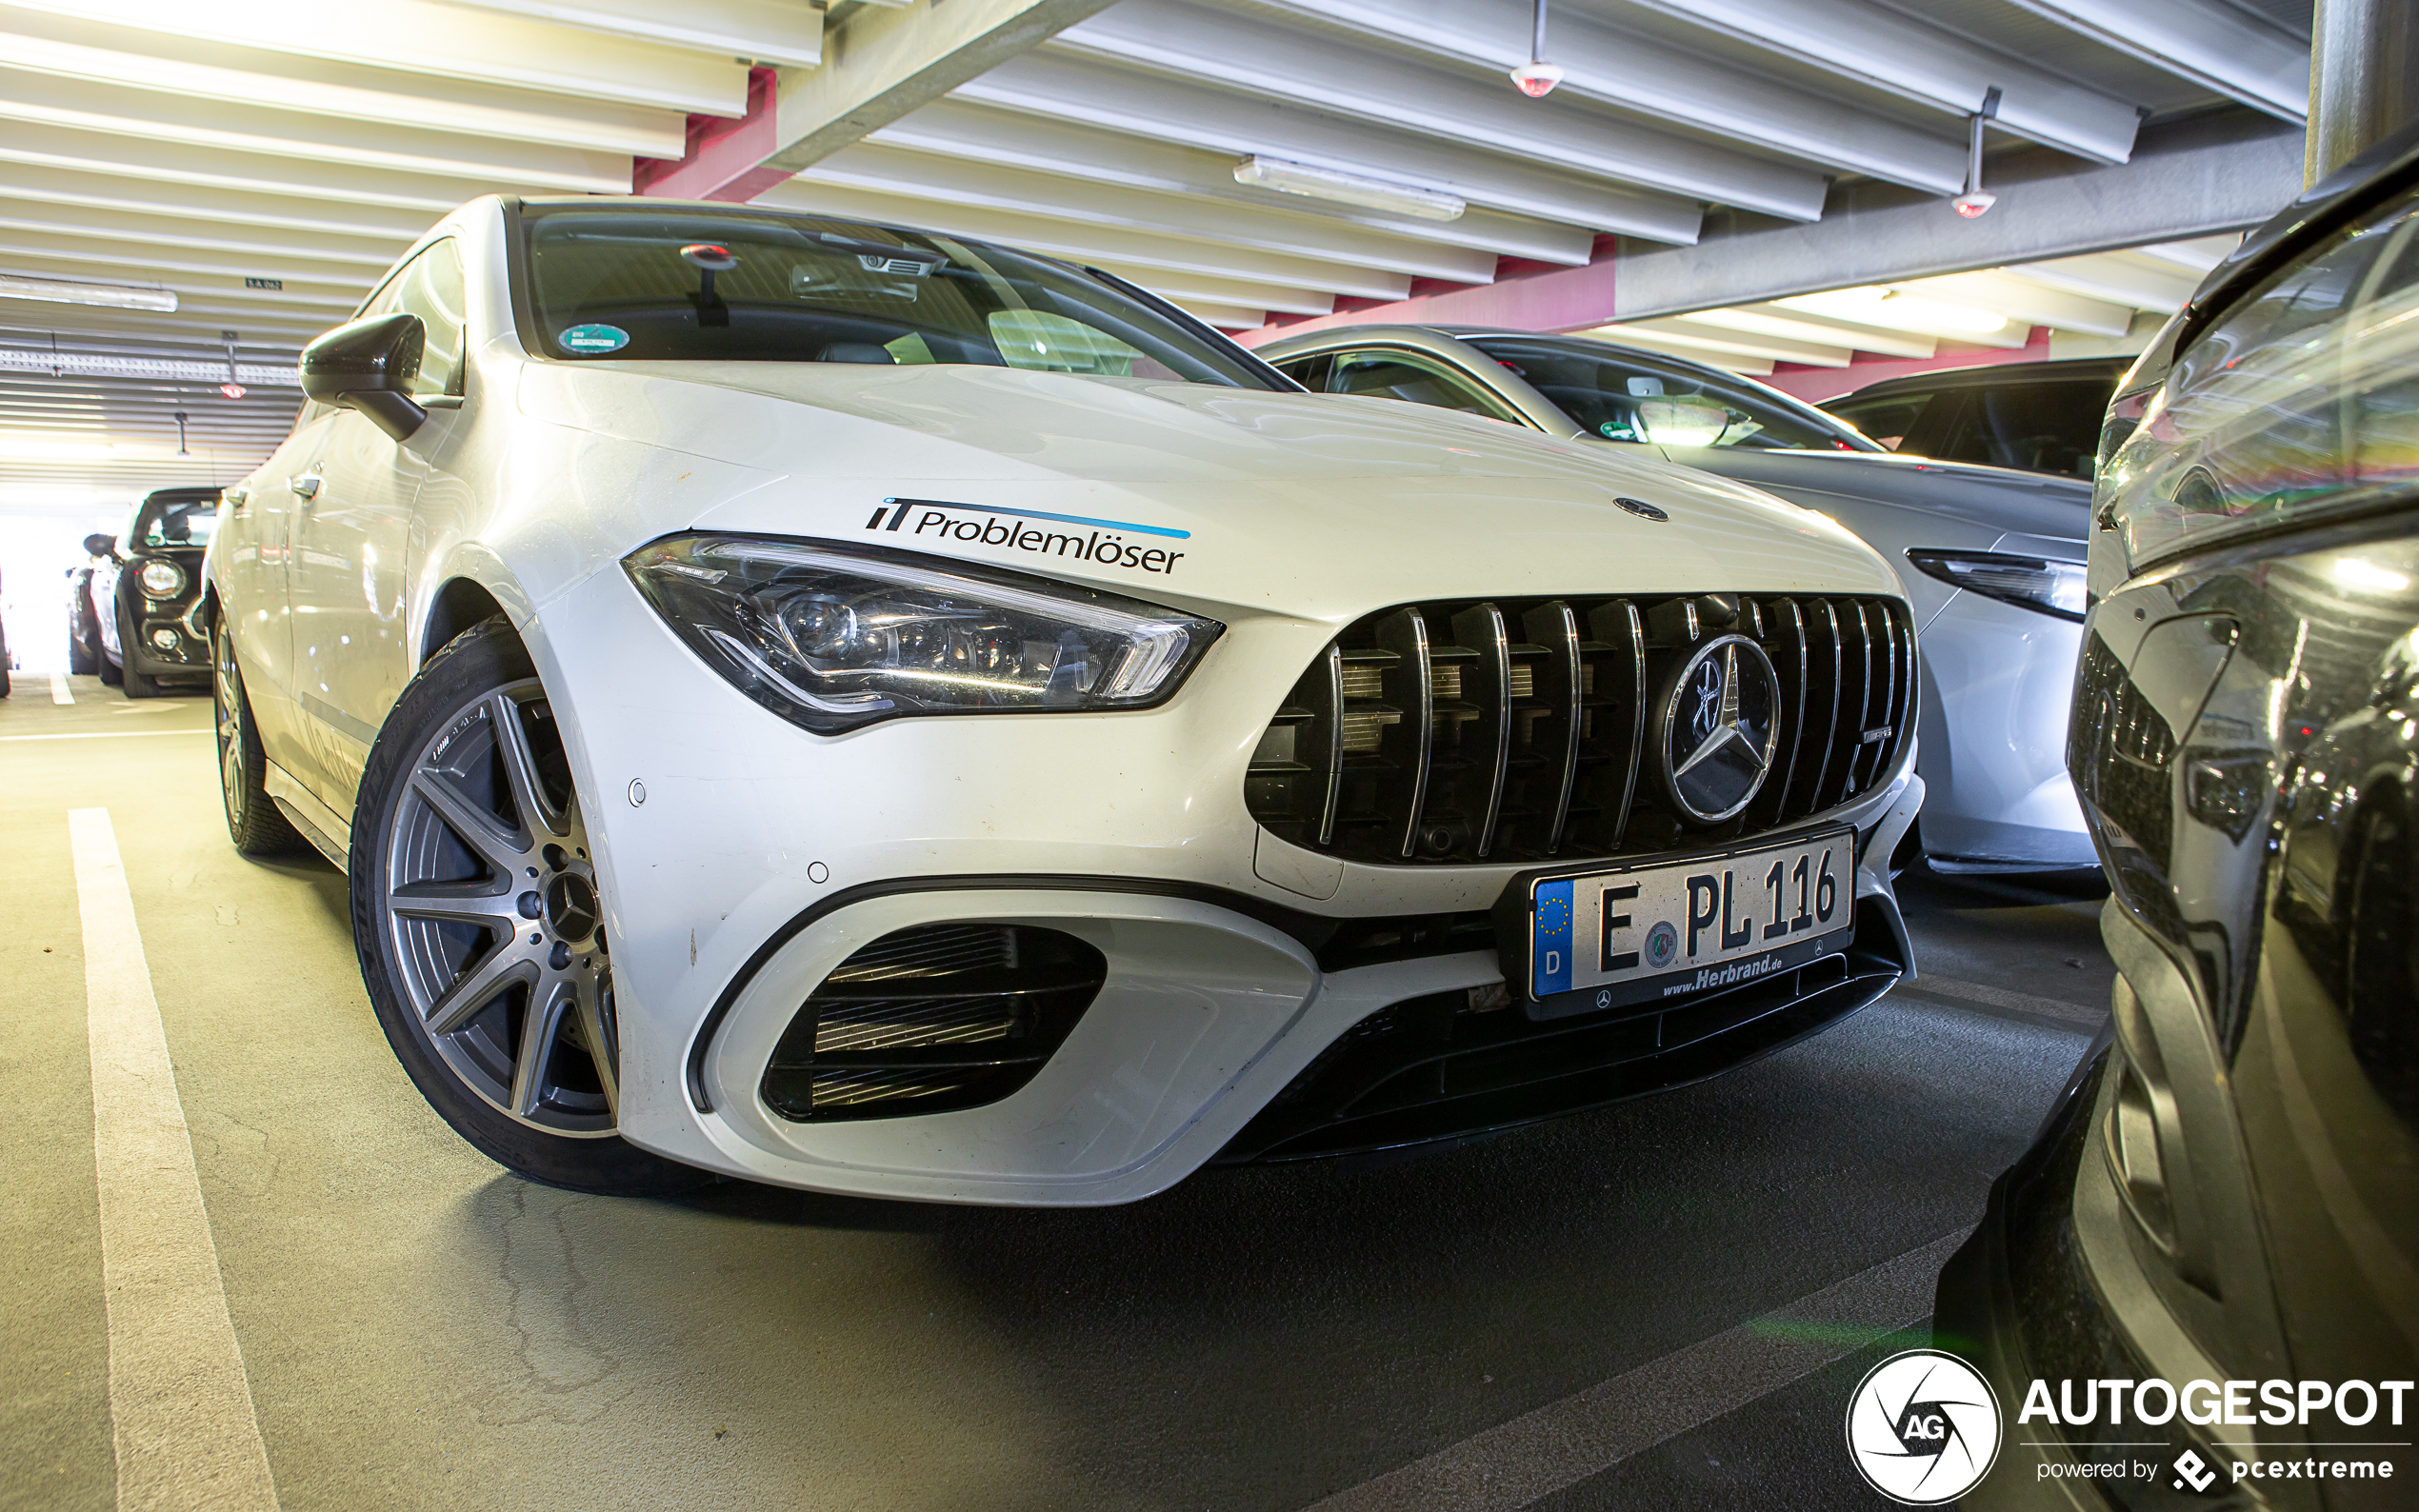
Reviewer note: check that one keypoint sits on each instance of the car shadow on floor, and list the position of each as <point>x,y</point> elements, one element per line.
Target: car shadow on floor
<point>1260,1336</point>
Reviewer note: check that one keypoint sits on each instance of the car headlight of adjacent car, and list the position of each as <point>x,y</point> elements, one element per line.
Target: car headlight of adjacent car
<point>832,638</point>
<point>162,579</point>
<point>2027,582</point>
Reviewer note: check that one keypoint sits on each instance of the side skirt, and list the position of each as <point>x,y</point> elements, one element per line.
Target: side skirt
<point>320,825</point>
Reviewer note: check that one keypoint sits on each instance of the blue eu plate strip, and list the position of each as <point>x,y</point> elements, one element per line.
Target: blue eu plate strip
<point>1549,940</point>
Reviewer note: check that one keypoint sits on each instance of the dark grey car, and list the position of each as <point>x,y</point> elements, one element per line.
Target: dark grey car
<point>2228,1190</point>
<point>2035,417</point>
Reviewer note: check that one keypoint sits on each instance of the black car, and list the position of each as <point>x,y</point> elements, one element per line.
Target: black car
<point>130,612</point>
<point>2229,1189</point>
<point>2035,417</point>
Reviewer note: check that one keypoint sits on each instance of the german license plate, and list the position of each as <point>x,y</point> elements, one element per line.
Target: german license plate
<point>1670,928</point>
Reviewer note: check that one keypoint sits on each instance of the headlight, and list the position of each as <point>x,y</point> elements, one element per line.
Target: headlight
<point>831,638</point>
<point>2027,582</point>
<point>163,579</point>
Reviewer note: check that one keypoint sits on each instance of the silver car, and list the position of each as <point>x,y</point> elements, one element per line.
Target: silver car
<point>1997,555</point>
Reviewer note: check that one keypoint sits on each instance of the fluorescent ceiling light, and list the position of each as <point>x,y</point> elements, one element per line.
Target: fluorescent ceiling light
<point>1897,310</point>
<point>67,291</point>
<point>1347,189</point>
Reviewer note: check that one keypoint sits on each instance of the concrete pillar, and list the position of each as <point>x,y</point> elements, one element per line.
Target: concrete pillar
<point>2364,78</point>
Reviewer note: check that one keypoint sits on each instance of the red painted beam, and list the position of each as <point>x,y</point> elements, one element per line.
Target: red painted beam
<point>724,160</point>
<point>1561,299</point>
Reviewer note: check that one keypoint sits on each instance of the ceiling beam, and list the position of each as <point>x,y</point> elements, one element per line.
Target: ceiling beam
<point>1265,228</point>
<point>1226,317</point>
<point>188,324</point>
<point>1077,242</point>
<point>2118,277</point>
<point>332,254</point>
<point>308,88</point>
<point>424,36</point>
<point>1187,287</point>
<point>2027,302</point>
<point>2221,171</point>
<point>1686,332</point>
<point>99,257</point>
<point>1679,346</point>
<point>895,59</point>
<point>883,63</point>
<point>1771,320</point>
<point>47,100</point>
<point>1877,44</point>
<point>1638,72</point>
<point>1075,89</point>
<point>87,155</point>
<point>971,133</point>
<point>192,290</point>
<point>2217,47</point>
<point>1269,62</point>
<point>759,30</point>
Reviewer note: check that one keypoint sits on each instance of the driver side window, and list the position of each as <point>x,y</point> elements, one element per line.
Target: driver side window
<point>431,287</point>
<point>1416,380</point>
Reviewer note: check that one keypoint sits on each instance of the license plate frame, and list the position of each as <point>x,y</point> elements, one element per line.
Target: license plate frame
<point>1571,908</point>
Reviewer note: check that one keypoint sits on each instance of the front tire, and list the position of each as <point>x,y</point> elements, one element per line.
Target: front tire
<point>476,918</point>
<point>254,823</point>
<point>84,641</point>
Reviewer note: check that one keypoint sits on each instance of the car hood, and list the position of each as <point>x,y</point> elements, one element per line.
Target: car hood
<point>1302,503</point>
<point>1967,497</point>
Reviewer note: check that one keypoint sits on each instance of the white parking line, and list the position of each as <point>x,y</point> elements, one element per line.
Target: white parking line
<point>1563,1443</point>
<point>180,1404</point>
<point>60,692</point>
<point>107,734</point>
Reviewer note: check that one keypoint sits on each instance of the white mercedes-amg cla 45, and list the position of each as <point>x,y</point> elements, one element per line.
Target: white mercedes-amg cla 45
<point>877,712</point>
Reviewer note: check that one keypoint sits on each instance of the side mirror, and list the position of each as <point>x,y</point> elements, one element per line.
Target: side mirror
<point>99,544</point>
<point>368,365</point>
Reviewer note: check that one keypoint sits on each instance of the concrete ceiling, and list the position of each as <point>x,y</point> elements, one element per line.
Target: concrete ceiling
<point>264,161</point>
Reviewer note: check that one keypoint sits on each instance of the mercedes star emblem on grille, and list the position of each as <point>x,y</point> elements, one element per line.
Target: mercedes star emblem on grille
<point>1719,731</point>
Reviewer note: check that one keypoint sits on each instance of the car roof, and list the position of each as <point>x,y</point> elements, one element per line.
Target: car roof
<point>2009,374</point>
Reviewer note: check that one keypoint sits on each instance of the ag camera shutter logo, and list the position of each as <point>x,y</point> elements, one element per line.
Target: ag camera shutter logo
<point>1923,1427</point>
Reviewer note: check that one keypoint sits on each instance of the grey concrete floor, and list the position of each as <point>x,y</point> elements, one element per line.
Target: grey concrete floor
<point>422,1329</point>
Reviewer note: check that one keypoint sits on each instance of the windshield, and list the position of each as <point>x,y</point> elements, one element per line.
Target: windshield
<point>174,522</point>
<point>1623,395</point>
<point>742,286</point>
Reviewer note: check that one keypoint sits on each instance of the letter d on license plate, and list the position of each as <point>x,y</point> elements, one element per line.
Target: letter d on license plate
<point>1608,937</point>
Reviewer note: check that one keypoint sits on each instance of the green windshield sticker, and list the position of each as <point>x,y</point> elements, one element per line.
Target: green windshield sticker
<point>595,338</point>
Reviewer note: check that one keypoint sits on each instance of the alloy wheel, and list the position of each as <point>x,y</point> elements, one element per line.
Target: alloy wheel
<point>227,699</point>
<point>489,899</point>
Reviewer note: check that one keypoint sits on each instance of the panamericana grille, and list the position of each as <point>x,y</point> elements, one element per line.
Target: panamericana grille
<point>1522,730</point>
<point>930,1019</point>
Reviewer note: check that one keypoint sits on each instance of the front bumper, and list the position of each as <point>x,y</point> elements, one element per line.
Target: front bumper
<point>744,860</point>
<point>1998,683</point>
<point>180,617</point>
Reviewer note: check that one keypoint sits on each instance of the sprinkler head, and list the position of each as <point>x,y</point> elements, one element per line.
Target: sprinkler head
<point>1537,80</point>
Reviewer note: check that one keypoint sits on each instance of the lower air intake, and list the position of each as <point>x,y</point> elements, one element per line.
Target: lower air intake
<point>932,1019</point>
